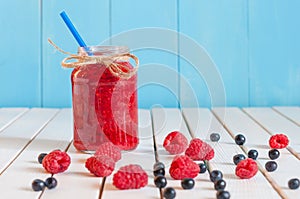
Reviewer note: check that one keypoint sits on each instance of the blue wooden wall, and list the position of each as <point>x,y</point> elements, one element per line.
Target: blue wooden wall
<point>192,52</point>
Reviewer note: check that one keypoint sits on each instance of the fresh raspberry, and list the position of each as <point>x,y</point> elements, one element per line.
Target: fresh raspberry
<point>183,167</point>
<point>246,169</point>
<point>56,162</point>
<point>199,150</point>
<point>278,141</point>
<point>109,149</point>
<point>175,142</point>
<point>100,166</point>
<point>130,177</point>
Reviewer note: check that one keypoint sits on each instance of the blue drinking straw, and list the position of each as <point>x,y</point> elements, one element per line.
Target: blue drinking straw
<point>74,32</point>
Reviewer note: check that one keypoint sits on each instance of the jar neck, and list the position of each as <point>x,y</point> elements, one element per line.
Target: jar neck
<point>103,50</point>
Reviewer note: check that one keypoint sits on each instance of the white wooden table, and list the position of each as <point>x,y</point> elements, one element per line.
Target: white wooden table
<point>25,133</point>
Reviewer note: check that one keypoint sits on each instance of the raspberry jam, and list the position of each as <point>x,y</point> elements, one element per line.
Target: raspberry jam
<point>104,104</point>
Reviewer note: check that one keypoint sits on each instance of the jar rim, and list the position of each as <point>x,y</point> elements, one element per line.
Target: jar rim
<point>104,50</point>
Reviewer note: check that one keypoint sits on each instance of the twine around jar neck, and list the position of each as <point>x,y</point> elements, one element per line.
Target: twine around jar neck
<point>110,62</point>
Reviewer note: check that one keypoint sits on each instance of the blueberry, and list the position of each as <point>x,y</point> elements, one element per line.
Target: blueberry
<point>51,183</point>
<point>240,139</point>
<point>160,181</point>
<point>294,183</point>
<point>220,185</point>
<point>187,183</point>
<point>215,137</point>
<point>274,154</point>
<point>223,195</point>
<point>202,167</point>
<point>38,185</point>
<point>41,157</point>
<point>169,193</point>
<point>253,154</point>
<point>271,166</point>
<point>159,172</point>
<point>237,158</point>
<point>158,165</point>
<point>215,175</point>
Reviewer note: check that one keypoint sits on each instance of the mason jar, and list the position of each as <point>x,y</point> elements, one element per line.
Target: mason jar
<point>105,107</point>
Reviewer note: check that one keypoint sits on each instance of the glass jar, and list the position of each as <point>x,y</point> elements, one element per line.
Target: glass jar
<point>104,104</point>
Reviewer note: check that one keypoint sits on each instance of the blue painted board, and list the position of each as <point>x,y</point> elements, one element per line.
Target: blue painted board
<point>274,47</point>
<point>20,67</point>
<point>220,28</point>
<point>155,86</point>
<point>91,19</point>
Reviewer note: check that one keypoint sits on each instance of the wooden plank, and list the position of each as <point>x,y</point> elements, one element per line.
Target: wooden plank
<point>156,47</point>
<point>273,53</point>
<point>257,138</point>
<point>91,19</point>
<point>292,113</point>
<point>14,138</point>
<point>165,121</point>
<point>142,155</point>
<point>203,21</point>
<point>225,149</point>
<point>276,123</point>
<point>20,58</point>
<point>9,115</point>
<point>57,134</point>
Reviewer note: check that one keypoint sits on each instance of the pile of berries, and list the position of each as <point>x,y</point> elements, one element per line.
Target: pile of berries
<point>182,168</point>
<point>176,143</point>
<point>101,164</point>
<point>55,162</point>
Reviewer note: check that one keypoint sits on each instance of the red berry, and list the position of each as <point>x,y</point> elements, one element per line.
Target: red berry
<point>56,162</point>
<point>110,150</point>
<point>183,167</point>
<point>100,166</point>
<point>130,177</point>
<point>199,150</point>
<point>246,169</point>
<point>175,142</point>
<point>278,141</point>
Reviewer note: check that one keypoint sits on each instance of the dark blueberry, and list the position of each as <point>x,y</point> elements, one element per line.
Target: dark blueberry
<point>274,154</point>
<point>38,185</point>
<point>51,183</point>
<point>159,172</point>
<point>187,183</point>
<point>240,139</point>
<point>253,154</point>
<point>237,158</point>
<point>294,183</point>
<point>220,185</point>
<point>160,181</point>
<point>169,193</point>
<point>215,137</point>
<point>202,167</point>
<point>215,175</point>
<point>158,165</point>
<point>41,157</point>
<point>223,195</point>
<point>271,166</point>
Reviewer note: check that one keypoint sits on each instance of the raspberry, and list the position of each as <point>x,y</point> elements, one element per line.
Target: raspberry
<point>183,167</point>
<point>278,141</point>
<point>175,143</point>
<point>130,177</point>
<point>100,166</point>
<point>56,162</point>
<point>109,150</point>
<point>246,169</point>
<point>199,150</point>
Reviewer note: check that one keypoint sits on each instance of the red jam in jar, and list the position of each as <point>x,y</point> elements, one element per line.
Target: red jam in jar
<point>104,104</point>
